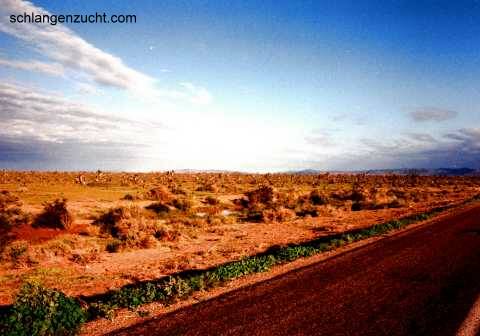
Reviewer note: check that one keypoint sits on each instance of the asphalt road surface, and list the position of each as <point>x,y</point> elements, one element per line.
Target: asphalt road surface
<point>421,282</point>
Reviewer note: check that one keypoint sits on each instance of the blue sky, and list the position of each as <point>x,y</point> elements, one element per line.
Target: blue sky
<point>242,85</point>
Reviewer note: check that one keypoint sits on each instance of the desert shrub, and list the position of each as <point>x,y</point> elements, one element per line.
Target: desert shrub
<point>18,254</point>
<point>358,195</point>
<point>11,213</point>
<point>183,204</point>
<point>307,209</point>
<point>110,221</point>
<point>167,235</point>
<point>113,245</point>
<point>356,206</point>
<point>287,200</point>
<point>41,311</point>
<point>318,198</point>
<point>147,242</point>
<point>160,194</point>
<point>178,190</point>
<point>263,195</point>
<point>57,247</point>
<point>130,225</point>
<point>86,258</point>
<point>277,215</point>
<point>211,200</point>
<point>17,249</point>
<point>55,215</point>
<point>209,187</point>
<point>158,207</point>
<point>128,197</point>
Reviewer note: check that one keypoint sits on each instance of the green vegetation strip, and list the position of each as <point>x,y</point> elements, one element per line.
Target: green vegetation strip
<point>40,311</point>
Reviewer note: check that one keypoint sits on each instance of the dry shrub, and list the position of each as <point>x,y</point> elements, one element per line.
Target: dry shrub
<point>129,197</point>
<point>147,242</point>
<point>287,199</point>
<point>167,235</point>
<point>18,254</point>
<point>278,215</point>
<point>130,225</point>
<point>55,247</point>
<point>161,194</point>
<point>209,187</point>
<point>158,207</point>
<point>318,198</point>
<point>309,210</point>
<point>379,199</point>
<point>179,190</point>
<point>211,200</point>
<point>11,213</point>
<point>55,215</point>
<point>183,204</point>
<point>86,258</point>
<point>264,195</point>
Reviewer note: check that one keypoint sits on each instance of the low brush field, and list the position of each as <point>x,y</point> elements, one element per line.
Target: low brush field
<point>88,233</point>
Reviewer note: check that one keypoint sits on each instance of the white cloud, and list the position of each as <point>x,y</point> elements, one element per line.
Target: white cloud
<point>86,88</point>
<point>26,112</point>
<point>66,48</point>
<point>52,69</point>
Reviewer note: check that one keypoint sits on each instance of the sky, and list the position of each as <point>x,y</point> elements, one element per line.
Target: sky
<point>259,86</point>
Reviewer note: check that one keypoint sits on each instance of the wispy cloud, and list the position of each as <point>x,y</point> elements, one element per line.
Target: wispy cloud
<point>422,137</point>
<point>26,112</point>
<point>432,114</point>
<point>460,148</point>
<point>52,69</point>
<point>66,48</point>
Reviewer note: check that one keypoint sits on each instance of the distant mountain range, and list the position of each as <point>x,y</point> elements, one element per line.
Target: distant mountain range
<point>402,171</point>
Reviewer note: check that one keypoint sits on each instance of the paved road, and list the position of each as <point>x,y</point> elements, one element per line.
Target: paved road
<point>421,282</point>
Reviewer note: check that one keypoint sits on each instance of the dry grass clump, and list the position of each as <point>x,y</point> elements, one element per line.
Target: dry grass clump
<point>210,200</point>
<point>55,215</point>
<point>11,213</point>
<point>264,195</point>
<point>86,258</point>
<point>209,187</point>
<point>158,207</point>
<point>278,215</point>
<point>131,226</point>
<point>318,198</point>
<point>18,254</point>
<point>160,193</point>
<point>376,198</point>
<point>129,197</point>
<point>164,234</point>
<point>183,204</point>
<point>267,205</point>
